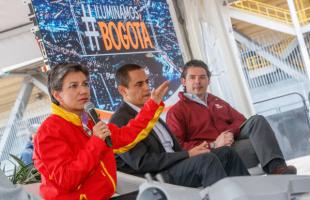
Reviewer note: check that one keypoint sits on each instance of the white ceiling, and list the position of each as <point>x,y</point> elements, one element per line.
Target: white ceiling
<point>13,13</point>
<point>18,46</point>
<point>19,52</point>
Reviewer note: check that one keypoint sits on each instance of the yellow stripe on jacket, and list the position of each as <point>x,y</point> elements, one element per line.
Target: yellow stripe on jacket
<point>108,174</point>
<point>143,133</point>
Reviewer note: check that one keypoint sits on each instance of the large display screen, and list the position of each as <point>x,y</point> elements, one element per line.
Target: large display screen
<point>106,34</point>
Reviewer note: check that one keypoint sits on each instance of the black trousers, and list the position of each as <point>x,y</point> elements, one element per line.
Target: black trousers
<point>257,142</point>
<point>129,196</point>
<point>206,169</point>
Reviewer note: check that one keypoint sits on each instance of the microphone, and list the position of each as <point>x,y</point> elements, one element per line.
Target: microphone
<point>90,109</point>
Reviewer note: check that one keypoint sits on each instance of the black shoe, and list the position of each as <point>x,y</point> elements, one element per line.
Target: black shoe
<point>284,170</point>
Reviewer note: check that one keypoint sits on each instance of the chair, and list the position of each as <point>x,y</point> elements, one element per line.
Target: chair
<point>128,183</point>
<point>292,126</point>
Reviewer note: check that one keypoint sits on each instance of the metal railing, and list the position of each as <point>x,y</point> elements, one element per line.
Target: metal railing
<point>17,144</point>
<point>274,12</point>
<point>290,122</point>
<point>304,16</point>
<point>307,41</point>
<point>278,109</point>
<point>303,12</point>
<point>265,10</point>
<point>270,59</point>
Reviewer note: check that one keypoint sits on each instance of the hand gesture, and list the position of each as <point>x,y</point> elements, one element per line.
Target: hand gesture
<point>158,93</point>
<point>200,149</point>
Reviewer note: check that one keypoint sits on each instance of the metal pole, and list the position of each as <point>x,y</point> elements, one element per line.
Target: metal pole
<point>300,37</point>
<point>15,115</point>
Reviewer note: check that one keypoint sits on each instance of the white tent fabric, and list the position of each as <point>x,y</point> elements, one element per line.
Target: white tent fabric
<point>17,43</point>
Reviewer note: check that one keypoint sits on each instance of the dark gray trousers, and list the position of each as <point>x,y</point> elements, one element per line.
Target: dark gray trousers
<point>206,169</point>
<point>129,196</point>
<point>257,142</point>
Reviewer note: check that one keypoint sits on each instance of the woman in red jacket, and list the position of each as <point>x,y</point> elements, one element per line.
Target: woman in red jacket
<point>70,150</point>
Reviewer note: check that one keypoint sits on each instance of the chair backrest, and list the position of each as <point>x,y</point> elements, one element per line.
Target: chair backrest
<point>128,183</point>
<point>292,126</point>
<point>33,188</point>
<point>261,187</point>
<point>125,183</point>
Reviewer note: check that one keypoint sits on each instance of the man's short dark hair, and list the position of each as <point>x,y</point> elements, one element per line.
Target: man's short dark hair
<point>122,73</point>
<point>57,74</point>
<point>195,63</point>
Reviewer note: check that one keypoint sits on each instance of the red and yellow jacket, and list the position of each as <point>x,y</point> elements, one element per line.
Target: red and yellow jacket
<point>74,165</point>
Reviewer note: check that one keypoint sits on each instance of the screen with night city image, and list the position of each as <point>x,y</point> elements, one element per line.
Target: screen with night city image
<point>106,34</point>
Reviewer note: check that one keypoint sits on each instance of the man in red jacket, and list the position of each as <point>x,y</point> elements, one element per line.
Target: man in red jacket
<point>200,116</point>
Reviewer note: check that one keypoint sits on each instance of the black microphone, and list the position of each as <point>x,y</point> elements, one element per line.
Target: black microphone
<point>90,109</point>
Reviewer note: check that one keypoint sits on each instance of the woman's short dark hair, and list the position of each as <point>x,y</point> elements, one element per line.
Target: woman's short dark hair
<point>195,63</point>
<point>57,74</point>
<point>121,75</point>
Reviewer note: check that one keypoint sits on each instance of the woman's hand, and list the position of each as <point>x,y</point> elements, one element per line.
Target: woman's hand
<point>101,130</point>
<point>158,93</point>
